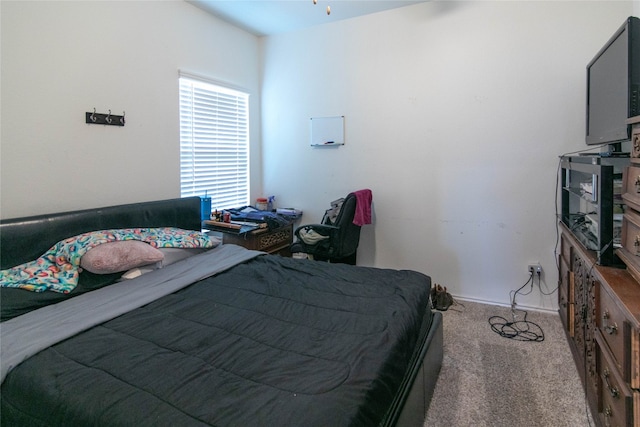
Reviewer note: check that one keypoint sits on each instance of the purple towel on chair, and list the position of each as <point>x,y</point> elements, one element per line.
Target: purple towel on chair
<point>363,207</point>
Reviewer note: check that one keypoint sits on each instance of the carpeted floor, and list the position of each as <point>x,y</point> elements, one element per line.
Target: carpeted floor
<point>488,380</point>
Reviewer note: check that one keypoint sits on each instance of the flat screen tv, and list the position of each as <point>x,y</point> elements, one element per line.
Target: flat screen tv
<point>613,85</point>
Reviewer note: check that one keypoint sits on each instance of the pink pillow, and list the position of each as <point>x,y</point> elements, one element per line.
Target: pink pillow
<point>118,256</point>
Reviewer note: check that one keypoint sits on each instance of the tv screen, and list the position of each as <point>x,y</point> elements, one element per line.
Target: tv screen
<point>613,83</point>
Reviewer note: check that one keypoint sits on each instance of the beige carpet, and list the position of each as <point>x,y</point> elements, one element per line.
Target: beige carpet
<point>488,380</point>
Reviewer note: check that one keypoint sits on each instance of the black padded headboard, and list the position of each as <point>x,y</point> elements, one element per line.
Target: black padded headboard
<point>25,239</point>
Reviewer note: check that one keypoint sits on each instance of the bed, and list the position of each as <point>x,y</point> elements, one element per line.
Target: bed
<point>224,336</point>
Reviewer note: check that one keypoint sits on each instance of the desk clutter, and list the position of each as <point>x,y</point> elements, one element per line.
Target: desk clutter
<point>231,227</point>
<point>248,218</point>
<point>269,230</point>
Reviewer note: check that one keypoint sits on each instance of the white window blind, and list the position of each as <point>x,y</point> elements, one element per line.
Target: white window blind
<point>214,143</point>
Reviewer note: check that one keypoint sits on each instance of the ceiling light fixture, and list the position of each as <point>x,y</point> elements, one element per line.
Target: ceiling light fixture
<point>328,7</point>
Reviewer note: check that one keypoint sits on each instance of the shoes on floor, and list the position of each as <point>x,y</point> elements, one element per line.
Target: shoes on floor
<point>441,299</point>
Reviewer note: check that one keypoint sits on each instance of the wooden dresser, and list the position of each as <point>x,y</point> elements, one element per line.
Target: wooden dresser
<point>600,309</point>
<point>630,251</point>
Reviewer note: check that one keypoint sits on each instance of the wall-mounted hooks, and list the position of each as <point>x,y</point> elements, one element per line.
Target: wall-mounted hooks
<point>104,119</point>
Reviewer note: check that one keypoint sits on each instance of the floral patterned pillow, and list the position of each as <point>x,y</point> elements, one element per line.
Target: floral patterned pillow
<point>58,269</point>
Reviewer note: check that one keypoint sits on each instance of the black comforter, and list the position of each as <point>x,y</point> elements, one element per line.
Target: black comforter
<point>273,341</point>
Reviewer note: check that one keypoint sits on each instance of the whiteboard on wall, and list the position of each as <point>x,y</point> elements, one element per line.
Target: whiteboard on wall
<point>327,131</point>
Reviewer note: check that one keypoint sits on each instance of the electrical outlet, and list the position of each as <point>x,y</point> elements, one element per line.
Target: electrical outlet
<point>535,268</point>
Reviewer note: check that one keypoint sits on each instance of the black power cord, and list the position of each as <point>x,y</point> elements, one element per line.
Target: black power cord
<point>522,330</point>
<point>519,330</point>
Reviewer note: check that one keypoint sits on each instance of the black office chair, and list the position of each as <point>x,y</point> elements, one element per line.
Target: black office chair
<point>334,240</point>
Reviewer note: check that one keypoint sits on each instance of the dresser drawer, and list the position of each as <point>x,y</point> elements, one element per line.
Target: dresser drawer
<point>616,396</point>
<point>565,305</point>
<point>635,142</point>
<point>566,250</point>
<point>631,232</point>
<point>275,239</point>
<point>631,186</point>
<point>611,324</point>
<point>630,251</point>
<point>270,241</point>
<point>634,379</point>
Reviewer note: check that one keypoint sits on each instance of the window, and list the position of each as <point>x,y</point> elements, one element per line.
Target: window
<point>214,143</point>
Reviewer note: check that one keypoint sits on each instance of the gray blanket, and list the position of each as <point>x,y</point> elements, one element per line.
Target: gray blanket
<point>26,335</point>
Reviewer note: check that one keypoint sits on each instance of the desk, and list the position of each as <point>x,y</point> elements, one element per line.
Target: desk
<point>262,239</point>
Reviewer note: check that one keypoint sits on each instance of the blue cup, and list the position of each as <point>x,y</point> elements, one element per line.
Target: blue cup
<point>205,208</point>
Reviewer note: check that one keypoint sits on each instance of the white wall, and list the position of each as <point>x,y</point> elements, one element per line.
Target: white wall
<point>455,114</point>
<point>63,58</point>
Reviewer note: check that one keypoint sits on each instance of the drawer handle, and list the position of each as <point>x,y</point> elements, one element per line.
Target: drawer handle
<point>608,413</point>
<point>615,393</point>
<point>610,329</point>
